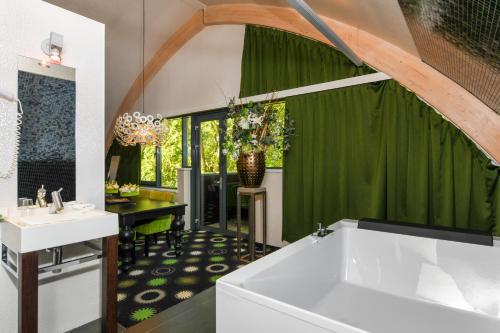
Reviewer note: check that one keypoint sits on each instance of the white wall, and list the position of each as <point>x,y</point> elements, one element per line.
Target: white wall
<point>183,193</point>
<point>273,182</point>
<point>200,75</point>
<point>67,303</point>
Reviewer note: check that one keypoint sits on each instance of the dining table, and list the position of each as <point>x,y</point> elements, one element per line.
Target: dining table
<point>141,211</point>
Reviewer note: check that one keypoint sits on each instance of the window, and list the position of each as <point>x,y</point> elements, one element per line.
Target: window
<point>186,137</point>
<point>274,157</point>
<point>148,164</point>
<point>176,152</point>
<point>175,149</point>
<point>230,161</point>
<point>171,153</point>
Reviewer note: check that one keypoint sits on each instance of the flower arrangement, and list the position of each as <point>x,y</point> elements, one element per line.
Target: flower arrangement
<point>111,187</point>
<point>254,127</point>
<point>129,190</point>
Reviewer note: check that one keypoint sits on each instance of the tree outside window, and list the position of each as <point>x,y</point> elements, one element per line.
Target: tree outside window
<point>148,164</point>
<point>171,153</point>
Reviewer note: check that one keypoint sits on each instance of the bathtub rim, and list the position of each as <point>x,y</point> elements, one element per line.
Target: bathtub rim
<point>233,284</point>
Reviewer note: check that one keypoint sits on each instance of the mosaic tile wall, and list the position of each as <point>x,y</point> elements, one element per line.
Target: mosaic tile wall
<point>47,146</point>
<point>461,39</point>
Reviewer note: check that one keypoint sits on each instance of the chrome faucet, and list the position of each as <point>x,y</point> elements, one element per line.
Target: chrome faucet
<point>40,197</point>
<point>57,203</point>
<point>322,231</point>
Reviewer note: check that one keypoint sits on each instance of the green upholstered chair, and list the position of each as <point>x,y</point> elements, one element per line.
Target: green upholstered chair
<point>158,225</point>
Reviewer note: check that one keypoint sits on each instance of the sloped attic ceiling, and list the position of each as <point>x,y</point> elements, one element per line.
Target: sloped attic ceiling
<point>450,34</point>
<point>164,17</point>
<point>382,18</point>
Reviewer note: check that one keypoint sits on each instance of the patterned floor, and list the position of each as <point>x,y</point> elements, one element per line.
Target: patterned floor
<point>161,280</point>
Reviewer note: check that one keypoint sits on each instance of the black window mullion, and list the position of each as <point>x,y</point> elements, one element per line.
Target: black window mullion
<point>158,166</point>
<point>185,130</point>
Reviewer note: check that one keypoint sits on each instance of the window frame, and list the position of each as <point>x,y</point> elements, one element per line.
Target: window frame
<point>186,149</point>
<point>158,154</point>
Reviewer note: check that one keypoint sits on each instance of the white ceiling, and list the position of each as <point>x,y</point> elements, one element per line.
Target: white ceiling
<point>123,18</point>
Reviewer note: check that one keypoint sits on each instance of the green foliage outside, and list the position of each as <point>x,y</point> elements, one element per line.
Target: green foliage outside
<point>209,157</point>
<point>171,153</point>
<point>171,157</point>
<point>274,155</point>
<point>148,164</point>
<point>171,150</point>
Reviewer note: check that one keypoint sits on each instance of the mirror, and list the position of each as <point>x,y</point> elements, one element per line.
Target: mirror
<point>47,147</point>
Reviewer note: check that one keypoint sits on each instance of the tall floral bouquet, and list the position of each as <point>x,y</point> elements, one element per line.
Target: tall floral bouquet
<point>254,127</point>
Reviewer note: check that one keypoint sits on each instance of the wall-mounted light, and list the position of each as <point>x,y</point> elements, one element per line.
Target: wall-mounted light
<point>53,47</point>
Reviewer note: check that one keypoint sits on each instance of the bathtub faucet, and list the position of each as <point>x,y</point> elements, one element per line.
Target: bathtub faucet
<point>322,231</point>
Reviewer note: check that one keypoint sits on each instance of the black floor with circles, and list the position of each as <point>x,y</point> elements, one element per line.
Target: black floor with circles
<point>161,280</point>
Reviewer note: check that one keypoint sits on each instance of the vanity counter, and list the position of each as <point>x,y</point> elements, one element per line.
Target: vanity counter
<point>35,229</point>
<point>27,231</point>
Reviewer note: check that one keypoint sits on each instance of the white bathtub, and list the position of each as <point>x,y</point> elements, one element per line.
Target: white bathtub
<point>356,280</point>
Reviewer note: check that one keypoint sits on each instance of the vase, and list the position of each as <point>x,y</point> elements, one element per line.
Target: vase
<point>251,168</point>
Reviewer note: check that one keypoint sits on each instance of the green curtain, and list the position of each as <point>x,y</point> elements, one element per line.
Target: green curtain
<point>274,60</point>
<point>130,162</point>
<point>372,150</point>
<point>376,150</point>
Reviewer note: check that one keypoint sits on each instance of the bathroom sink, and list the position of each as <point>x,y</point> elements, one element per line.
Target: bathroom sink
<point>64,216</point>
<point>35,229</point>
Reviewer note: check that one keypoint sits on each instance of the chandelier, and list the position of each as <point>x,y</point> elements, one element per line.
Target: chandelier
<point>132,129</point>
<point>139,128</point>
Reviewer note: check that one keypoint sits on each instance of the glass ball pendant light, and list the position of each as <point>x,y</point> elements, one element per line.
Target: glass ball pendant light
<point>139,128</point>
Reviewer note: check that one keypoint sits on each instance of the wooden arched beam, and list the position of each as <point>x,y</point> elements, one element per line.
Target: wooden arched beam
<point>173,44</point>
<point>463,109</point>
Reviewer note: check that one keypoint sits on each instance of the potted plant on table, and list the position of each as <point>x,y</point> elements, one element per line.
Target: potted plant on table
<point>129,190</point>
<point>111,187</point>
<point>252,129</point>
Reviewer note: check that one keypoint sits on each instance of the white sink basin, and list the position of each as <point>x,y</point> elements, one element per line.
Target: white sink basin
<point>66,215</point>
<point>35,229</point>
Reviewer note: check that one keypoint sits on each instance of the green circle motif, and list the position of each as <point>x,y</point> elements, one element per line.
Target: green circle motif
<point>214,278</point>
<point>192,260</point>
<point>156,282</point>
<point>126,283</point>
<point>143,262</point>
<point>197,246</point>
<point>219,245</point>
<point>187,280</point>
<point>142,314</point>
<point>217,259</point>
<point>170,261</point>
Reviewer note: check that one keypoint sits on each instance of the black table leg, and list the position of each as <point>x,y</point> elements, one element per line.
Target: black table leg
<point>177,228</point>
<point>127,246</point>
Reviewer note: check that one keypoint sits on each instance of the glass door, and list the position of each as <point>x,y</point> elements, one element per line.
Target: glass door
<point>209,172</point>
